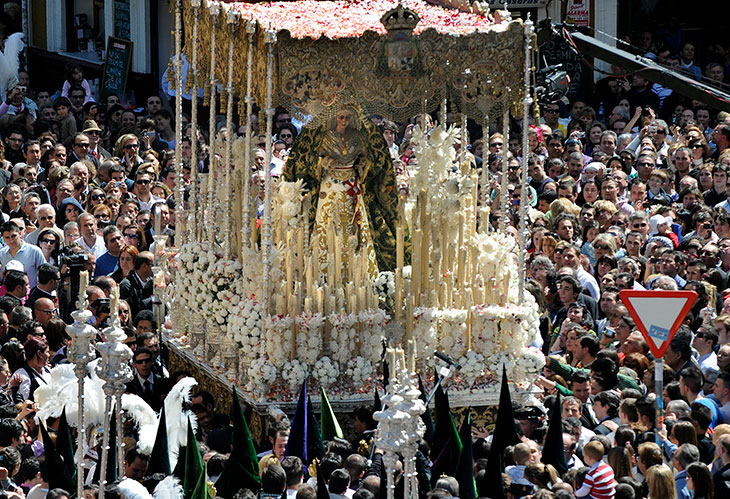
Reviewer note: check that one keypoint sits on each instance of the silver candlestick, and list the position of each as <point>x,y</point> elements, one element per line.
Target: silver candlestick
<point>80,352</point>
<point>116,372</point>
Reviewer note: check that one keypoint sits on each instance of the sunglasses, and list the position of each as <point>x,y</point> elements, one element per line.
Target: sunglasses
<point>552,111</point>
<point>132,146</point>
<point>141,182</point>
<point>81,144</point>
<point>602,247</point>
<point>97,197</point>
<point>496,144</point>
<point>143,361</point>
<point>648,165</point>
<point>287,136</point>
<point>131,236</point>
<point>48,241</point>
<point>696,146</point>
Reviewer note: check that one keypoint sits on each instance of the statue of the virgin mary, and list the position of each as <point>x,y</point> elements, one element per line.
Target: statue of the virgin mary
<point>347,168</point>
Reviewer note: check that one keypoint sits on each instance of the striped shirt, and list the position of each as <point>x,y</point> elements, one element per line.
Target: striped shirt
<point>599,482</point>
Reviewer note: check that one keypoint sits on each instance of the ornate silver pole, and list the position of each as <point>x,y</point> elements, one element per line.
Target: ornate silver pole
<point>484,209</point>
<point>505,151</point>
<point>215,11</point>
<point>526,103</point>
<point>232,20</point>
<point>270,40</point>
<point>80,353</point>
<point>179,188</point>
<point>193,210</point>
<point>464,141</point>
<point>114,369</point>
<point>246,224</point>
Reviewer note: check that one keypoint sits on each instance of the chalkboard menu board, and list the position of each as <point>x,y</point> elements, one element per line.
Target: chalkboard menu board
<point>116,66</point>
<point>121,19</point>
<point>558,51</point>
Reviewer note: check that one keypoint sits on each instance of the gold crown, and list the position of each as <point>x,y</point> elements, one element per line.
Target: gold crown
<point>400,18</point>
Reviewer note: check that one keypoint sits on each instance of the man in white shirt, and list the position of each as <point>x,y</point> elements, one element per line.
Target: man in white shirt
<point>571,259</point>
<point>16,249</point>
<point>705,340</point>
<point>142,186</point>
<point>90,240</point>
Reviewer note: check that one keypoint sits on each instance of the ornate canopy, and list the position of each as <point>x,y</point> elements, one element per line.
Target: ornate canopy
<point>388,56</point>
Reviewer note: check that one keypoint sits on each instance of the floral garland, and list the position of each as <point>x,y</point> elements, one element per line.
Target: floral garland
<point>326,372</point>
<point>529,364</point>
<point>309,337</point>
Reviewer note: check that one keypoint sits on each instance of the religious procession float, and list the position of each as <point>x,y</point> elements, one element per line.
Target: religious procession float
<point>346,258</point>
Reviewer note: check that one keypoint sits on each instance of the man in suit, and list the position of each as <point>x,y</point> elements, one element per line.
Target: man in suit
<point>145,383</point>
<point>136,288</point>
<point>96,154</point>
<point>721,478</point>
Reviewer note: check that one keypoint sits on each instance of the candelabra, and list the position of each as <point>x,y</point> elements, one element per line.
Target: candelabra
<point>114,369</point>
<point>80,353</point>
<point>399,424</point>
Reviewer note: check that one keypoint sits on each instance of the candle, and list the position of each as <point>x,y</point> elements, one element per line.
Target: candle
<point>83,284</point>
<point>300,254</point>
<point>330,258</point>
<point>391,360</point>
<point>416,269</point>
<point>398,294</point>
<point>338,262</point>
<point>351,298</point>
<point>320,301</point>
<point>461,275</point>
<point>114,305</point>
<point>308,305</point>
<point>362,298</point>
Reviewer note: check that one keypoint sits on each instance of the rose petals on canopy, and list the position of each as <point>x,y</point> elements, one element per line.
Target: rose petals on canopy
<point>347,19</point>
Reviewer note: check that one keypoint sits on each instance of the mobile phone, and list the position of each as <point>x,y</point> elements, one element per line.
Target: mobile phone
<point>149,134</point>
<point>654,260</point>
<point>610,332</point>
<point>652,129</point>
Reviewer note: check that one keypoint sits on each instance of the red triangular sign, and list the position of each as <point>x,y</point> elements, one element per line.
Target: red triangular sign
<point>658,314</point>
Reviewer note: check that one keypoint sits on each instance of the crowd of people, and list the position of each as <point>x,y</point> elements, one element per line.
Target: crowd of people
<point>627,190</point>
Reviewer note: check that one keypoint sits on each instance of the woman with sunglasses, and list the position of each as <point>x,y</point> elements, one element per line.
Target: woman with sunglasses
<point>126,264</point>
<point>50,243</point>
<point>96,197</point>
<point>134,236</point>
<point>700,150</point>
<point>127,148</point>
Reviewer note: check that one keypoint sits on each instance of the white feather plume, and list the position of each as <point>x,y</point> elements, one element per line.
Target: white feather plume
<point>132,489</point>
<point>177,418</point>
<point>169,488</point>
<point>62,392</point>
<point>145,419</point>
<point>9,61</point>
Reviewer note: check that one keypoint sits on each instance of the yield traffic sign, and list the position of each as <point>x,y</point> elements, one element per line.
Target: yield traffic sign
<point>658,314</point>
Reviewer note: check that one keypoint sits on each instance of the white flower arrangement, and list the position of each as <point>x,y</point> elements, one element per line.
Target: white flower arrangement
<point>326,372</point>
<point>425,330</point>
<point>294,373</point>
<point>261,374</point>
<point>529,364</point>
<point>385,287</point>
<point>472,366</point>
<point>359,370</point>
<point>342,336</point>
<point>309,337</point>
<point>287,203</point>
<point>244,327</point>
<point>373,331</point>
<point>453,331</point>
<point>278,339</point>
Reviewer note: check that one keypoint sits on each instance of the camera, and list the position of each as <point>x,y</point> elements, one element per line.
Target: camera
<point>102,305</point>
<point>71,259</point>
